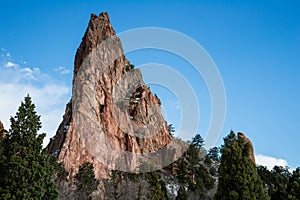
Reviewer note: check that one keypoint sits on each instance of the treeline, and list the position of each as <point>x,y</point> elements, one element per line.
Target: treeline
<point>225,173</point>
<point>280,183</point>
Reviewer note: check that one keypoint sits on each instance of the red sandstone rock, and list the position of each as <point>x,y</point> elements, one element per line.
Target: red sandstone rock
<point>112,120</point>
<point>247,141</point>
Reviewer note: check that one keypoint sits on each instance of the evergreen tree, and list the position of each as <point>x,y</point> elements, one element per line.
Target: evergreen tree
<point>197,141</point>
<point>182,194</point>
<point>213,154</point>
<point>192,173</point>
<point>293,188</point>
<point>238,178</point>
<point>156,190</point>
<point>86,181</point>
<point>280,179</point>
<point>25,169</point>
<point>181,171</point>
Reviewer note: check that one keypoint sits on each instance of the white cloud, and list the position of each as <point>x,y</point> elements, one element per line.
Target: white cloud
<point>49,95</point>
<point>269,161</point>
<point>62,70</point>
<point>11,64</point>
<point>31,73</point>
<point>50,103</point>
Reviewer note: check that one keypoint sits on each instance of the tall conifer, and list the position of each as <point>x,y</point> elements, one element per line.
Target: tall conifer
<point>25,169</point>
<point>238,179</point>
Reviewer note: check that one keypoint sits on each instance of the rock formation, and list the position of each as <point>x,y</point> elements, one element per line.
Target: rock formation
<point>1,127</point>
<point>112,120</point>
<point>247,141</point>
<point>3,132</point>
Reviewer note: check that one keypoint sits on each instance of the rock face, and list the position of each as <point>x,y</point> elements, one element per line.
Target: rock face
<point>247,141</point>
<point>3,132</point>
<point>1,127</point>
<point>112,120</point>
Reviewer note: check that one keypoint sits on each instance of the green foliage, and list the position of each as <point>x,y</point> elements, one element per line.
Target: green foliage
<point>182,194</point>
<point>193,155</point>
<point>86,181</point>
<point>213,153</point>
<point>293,188</point>
<point>25,169</point>
<point>238,177</point>
<point>61,174</point>
<point>181,171</point>
<point>163,188</point>
<point>156,190</point>
<point>171,129</point>
<point>208,160</point>
<point>279,180</point>
<point>281,184</point>
<point>124,185</point>
<point>228,140</point>
<point>197,141</point>
<point>191,172</point>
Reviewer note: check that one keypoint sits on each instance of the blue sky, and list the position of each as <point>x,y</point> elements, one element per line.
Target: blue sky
<point>255,45</point>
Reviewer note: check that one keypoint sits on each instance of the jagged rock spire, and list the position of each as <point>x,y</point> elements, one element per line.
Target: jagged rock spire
<point>99,29</point>
<point>113,118</point>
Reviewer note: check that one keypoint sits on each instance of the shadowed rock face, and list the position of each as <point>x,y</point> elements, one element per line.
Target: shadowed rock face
<point>112,117</point>
<point>247,141</point>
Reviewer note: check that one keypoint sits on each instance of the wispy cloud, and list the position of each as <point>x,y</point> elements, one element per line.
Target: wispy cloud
<point>11,64</point>
<point>62,70</point>
<point>49,94</point>
<point>31,73</point>
<point>269,161</point>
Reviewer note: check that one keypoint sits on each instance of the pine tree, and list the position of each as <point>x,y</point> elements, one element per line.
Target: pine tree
<point>238,179</point>
<point>213,154</point>
<point>280,176</point>
<point>156,190</point>
<point>197,141</point>
<point>86,181</point>
<point>25,169</point>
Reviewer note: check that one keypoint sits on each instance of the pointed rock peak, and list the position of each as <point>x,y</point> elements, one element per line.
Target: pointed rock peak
<point>101,25</point>
<point>113,120</point>
<point>247,141</point>
<point>3,132</point>
<point>1,127</point>
<point>98,30</point>
<point>104,16</point>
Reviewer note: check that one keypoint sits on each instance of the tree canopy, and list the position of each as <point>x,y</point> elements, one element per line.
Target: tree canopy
<point>198,141</point>
<point>238,177</point>
<point>25,169</point>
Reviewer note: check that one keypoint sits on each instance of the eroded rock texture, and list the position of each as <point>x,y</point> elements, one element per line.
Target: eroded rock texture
<point>247,141</point>
<point>112,120</point>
